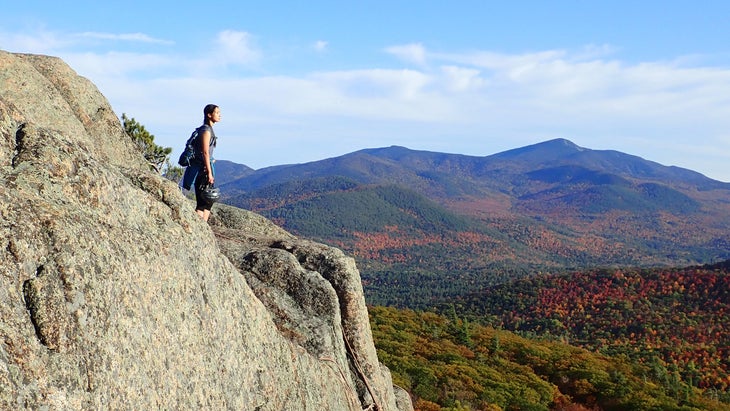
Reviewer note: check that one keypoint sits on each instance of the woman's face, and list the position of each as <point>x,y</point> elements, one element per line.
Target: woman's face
<point>215,116</point>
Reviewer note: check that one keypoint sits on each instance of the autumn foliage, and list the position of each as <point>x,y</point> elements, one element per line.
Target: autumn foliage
<point>448,363</point>
<point>676,322</point>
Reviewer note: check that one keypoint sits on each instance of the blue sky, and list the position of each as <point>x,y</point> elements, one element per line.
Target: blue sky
<point>303,81</point>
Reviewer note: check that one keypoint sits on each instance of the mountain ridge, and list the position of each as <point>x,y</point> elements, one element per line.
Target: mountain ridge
<point>530,172</point>
<point>548,206</point>
<point>551,152</point>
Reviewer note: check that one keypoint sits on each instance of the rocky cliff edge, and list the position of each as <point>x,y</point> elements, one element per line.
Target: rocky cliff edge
<point>115,295</point>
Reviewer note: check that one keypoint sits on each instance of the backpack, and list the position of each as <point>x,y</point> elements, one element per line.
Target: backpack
<point>187,158</point>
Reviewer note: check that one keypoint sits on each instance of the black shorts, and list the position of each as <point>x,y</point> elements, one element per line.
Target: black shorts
<point>201,182</point>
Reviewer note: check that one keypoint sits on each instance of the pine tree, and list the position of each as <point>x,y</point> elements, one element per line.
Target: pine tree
<point>155,155</point>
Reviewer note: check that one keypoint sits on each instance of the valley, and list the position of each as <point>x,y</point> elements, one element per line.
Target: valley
<point>596,250</point>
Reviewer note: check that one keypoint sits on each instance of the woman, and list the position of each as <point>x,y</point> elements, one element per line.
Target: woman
<point>206,177</point>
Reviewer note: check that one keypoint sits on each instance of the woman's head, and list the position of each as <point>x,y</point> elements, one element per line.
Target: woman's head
<point>211,114</point>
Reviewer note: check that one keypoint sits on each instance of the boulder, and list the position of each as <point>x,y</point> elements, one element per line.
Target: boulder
<point>114,294</point>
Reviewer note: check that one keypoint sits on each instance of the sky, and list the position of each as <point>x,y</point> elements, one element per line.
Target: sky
<point>301,81</point>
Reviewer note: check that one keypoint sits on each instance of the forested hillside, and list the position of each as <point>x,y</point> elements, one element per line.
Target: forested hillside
<point>447,363</point>
<point>509,241</point>
<point>679,318</point>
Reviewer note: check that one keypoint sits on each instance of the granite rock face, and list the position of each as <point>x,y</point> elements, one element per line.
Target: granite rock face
<point>115,295</point>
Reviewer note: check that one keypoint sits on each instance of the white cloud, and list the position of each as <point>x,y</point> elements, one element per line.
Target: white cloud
<point>411,53</point>
<point>49,42</point>
<point>42,42</point>
<point>473,103</point>
<point>500,61</point>
<point>396,84</point>
<point>132,37</point>
<point>320,45</point>
<point>594,52</point>
<point>470,103</point>
<point>461,79</point>
<point>118,65</point>
<point>236,47</point>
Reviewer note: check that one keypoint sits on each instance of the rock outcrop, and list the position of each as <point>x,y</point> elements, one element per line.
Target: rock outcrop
<point>115,295</point>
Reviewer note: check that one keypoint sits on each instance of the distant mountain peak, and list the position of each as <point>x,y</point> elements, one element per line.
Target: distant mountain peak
<point>546,150</point>
<point>555,144</point>
<point>390,151</point>
<point>558,142</point>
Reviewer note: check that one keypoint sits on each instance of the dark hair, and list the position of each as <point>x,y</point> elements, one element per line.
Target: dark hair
<point>209,109</point>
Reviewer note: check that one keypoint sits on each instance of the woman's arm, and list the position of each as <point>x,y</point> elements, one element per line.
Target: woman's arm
<point>205,141</point>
